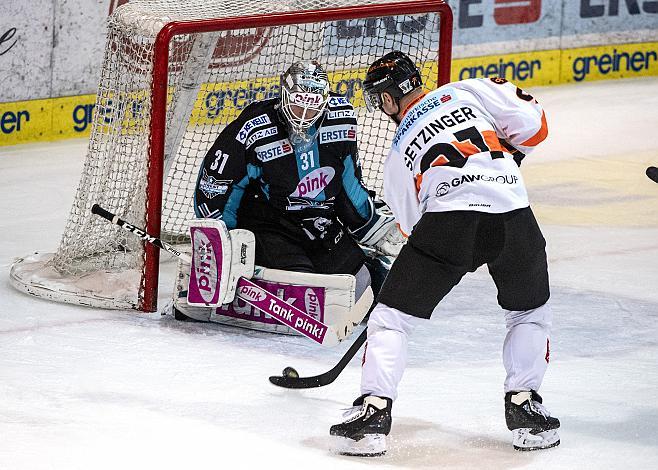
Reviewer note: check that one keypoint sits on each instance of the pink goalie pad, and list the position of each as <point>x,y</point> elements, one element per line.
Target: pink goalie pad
<point>310,300</point>
<point>208,259</point>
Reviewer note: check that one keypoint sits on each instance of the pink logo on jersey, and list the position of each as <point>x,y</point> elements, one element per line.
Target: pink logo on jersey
<point>315,182</point>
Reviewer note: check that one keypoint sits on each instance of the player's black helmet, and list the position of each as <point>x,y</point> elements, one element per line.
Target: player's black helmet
<point>394,73</point>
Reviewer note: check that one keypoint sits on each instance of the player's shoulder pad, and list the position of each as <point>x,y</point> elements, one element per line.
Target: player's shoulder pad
<point>258,107</point>
<point>485,87</point>
<point>338,101</point>
<point>258,116</point>
<point>339,108</point>
<point>494,83</point>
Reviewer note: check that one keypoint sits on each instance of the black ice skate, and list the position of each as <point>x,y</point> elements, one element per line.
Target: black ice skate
<point>531,424</point>
<point>364,431</point>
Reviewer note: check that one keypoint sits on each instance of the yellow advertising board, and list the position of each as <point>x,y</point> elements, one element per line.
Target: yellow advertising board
<point>609,62</point>
<point>524,69</point>
<point>61,118</point>
<point>48,119</point>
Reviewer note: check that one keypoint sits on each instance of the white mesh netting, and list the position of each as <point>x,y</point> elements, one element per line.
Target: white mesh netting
<point>211,78</point>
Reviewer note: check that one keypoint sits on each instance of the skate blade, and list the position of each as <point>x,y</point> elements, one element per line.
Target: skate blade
<point>525,440</point>
<point>372,445</point>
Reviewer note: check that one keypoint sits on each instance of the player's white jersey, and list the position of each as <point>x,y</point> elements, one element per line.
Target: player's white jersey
<point>447,153</point>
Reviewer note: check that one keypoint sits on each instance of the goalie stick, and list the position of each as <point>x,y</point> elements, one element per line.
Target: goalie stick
<point>247,290</point>
<point>115,219</point>
<point>291,380</point>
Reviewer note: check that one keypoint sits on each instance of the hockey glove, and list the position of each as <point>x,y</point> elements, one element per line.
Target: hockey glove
<point>382,233</point>
<point>392,242</point>
<point>325,232</point>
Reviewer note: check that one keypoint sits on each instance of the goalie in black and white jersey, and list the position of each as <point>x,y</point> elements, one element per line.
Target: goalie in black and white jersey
<point>287,169</point>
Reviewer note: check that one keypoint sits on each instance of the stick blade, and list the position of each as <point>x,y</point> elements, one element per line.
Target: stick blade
<point>326,378</point>
<point>300,382</point>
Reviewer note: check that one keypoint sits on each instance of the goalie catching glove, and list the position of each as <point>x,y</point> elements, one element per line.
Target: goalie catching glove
<point>381,232</point>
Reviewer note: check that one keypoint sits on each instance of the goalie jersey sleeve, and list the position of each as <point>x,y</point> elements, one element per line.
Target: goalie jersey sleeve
<point>223,178</point>
<point>453,150</point>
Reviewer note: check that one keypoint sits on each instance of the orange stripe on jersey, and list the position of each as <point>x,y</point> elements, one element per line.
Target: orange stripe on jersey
<point>419,181</point>
<point>540,135</point>
<point>410,105</point>
<point>465,148</point>
<point>491,139</point>
<point>401,231</point>
<point>440,161</point>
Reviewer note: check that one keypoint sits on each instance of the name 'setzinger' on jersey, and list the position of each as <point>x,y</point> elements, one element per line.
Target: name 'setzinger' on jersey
<point>447,153</point>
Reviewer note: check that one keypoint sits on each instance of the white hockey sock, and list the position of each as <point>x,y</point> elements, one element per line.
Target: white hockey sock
<point>385,356</point>
<point>526,348</point>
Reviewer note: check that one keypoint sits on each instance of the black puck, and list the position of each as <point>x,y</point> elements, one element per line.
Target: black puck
<point>290,373</point>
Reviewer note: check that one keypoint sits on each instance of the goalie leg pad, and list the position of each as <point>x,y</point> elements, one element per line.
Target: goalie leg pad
<point>243,248</point>
<point>219,259</point>
<point>329,298</point>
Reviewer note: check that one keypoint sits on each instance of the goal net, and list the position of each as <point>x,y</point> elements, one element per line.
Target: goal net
<point>174,74</point>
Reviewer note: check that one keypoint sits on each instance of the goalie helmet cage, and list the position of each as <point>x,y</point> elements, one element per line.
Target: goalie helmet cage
<point>173,75</point>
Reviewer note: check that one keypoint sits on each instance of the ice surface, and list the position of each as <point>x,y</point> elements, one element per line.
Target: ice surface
<point>84,388</point>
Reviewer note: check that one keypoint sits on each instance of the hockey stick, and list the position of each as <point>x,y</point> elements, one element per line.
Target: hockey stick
<point>247,290</point>
<point>290,378</point>
<point>115,219</point>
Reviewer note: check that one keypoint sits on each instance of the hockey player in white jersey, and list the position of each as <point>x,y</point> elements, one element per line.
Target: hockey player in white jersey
<point>453,182</point>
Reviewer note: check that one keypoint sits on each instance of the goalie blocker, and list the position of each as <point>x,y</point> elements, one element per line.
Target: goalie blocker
<point>206,290</point>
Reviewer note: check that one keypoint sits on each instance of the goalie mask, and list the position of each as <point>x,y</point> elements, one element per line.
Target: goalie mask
<point>304,97</point>
<point>394,73</point>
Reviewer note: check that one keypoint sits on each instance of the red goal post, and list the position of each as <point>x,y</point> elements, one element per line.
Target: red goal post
<point>132,130</point>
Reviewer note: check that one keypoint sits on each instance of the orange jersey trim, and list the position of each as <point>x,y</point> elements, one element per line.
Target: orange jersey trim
<point>410,105</point>
<point>419,181</point>
<point>540,135</point>
<point>492,141</point>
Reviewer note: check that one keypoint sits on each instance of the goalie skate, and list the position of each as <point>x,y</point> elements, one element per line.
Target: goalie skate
<point>532,426</point>
<point>364,431</point>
